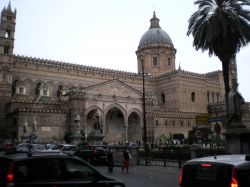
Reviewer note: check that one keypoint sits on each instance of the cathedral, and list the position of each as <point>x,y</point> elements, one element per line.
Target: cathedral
<point>52,99</point>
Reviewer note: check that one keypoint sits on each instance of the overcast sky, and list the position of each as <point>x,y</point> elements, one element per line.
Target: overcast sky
<point>106,33</point>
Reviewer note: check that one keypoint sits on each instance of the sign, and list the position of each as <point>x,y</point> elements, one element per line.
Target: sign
<point>202,120</point>
<point>217,119</point>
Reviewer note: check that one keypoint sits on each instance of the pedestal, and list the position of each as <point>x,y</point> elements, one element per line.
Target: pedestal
<point>237,139</point>
<point>95,138</point>
<point>76,138</point>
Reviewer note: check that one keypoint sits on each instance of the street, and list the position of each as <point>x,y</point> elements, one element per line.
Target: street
<point>145,176</point>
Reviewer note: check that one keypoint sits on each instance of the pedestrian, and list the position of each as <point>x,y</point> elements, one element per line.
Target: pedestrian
<point>126,157</point>
<point>93,155</point>
<point>110,160</point>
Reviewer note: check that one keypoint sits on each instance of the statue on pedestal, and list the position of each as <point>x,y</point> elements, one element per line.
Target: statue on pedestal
<point>77,119</point>
<point>235,102</point>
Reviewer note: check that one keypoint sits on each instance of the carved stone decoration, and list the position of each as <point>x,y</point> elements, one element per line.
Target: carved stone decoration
<point>76,121</point>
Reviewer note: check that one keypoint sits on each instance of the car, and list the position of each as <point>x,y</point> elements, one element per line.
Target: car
<point>216,171</point>
<point>65,148</point>
<point>95,154</point>
<point>49,169</point>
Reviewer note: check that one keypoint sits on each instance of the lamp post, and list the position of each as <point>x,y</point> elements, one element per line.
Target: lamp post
<point>146,148</point>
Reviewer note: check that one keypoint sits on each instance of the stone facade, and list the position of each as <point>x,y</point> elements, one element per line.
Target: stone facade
<point>54,93</point>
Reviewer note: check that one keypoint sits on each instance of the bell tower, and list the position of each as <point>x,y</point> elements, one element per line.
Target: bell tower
<point>7,31</point>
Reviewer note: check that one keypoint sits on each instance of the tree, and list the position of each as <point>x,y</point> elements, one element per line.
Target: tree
<point>222,27</point>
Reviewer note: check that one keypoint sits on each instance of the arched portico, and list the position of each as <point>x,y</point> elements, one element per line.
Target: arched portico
<point>115,123</point>
<point>134,127</point>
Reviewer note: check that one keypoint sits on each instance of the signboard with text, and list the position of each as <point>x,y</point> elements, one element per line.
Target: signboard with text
<point>202,120</point>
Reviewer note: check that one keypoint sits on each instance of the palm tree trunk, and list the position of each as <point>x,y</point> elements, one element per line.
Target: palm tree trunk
<point>225,67</point>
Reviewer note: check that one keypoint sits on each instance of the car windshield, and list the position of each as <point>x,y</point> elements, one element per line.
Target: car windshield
<point>208,174</point>
<point>57,147</point>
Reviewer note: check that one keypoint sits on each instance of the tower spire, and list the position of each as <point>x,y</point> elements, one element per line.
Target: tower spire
<point>9,6</point>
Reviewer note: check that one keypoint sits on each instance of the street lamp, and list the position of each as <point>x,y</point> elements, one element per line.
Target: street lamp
<point>146,148</point>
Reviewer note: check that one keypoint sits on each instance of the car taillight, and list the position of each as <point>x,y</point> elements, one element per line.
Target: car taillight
<point>10,174</point>
<point>180,177</point>
<point>234,179</point>
<point>205,165</point>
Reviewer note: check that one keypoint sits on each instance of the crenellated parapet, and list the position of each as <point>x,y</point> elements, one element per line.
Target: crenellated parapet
<point>213,76</point>
<point>75,68</point>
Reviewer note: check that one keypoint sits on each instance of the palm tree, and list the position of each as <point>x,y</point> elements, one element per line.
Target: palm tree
<point>222,27</point>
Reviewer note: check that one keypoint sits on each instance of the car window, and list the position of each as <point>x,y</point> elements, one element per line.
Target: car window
<point>78,170</point>
<point>38,169</point>
<point>57,147</point>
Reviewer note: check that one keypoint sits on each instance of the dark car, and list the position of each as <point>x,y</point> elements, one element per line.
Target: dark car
<point>50,170</point>
<point>95,154</point>
<point>216,171</point>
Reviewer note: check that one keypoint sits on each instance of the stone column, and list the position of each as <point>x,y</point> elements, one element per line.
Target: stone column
<point>126,132</point>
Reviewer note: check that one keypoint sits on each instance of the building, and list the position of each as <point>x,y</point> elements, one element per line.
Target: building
<point>53,99</point>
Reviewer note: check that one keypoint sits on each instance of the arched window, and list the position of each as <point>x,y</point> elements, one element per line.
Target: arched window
<point>156,123</point>
<point>208,100</point>
<point>38,88</point>
<point>193,97</point>
<point>60,91</point>
<point>7,33</point>
<point>18,87</point>
<point>163,98</point>
<point>6,49</point>
<point>155,61</point>
<point>14,84</point>
<point>169,62</point>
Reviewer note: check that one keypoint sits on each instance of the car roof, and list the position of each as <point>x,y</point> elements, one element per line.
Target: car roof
<point>235,159</point>
<point>22,156</point>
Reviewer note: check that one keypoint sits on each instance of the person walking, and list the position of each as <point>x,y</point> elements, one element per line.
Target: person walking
<point>110,160</point>
<point>126,157</point>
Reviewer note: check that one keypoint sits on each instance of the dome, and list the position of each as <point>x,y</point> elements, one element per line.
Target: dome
<point>155,34</point>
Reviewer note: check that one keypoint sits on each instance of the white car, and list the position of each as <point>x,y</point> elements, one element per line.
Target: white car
<point>65,148</point>
<point>217,171</point>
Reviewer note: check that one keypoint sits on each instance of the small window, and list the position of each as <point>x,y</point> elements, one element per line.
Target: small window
<point>7,33</point>
<point>38,88</point>
<point>155,61</point>
<point>156,123</point>
<point>169,62</point>
<point>8,18</point>
<point>193,97</point>
<point>163,98</point>
<point>6,49</point>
